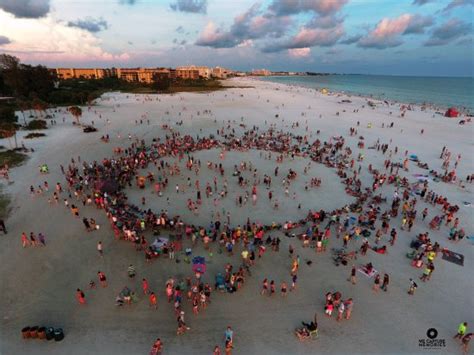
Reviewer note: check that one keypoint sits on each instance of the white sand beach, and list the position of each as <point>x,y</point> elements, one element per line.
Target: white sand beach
<point>38,284</point>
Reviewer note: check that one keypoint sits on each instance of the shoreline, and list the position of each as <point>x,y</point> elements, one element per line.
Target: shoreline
<point>463,111</point>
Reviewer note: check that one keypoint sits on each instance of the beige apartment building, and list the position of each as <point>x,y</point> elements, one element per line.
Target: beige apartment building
<point>142,75</point>
<point>84,73</point>
<point>221,73</point>
<point>189,72</point>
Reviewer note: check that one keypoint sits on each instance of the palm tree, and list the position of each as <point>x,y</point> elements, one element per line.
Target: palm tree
<point>76,111</point>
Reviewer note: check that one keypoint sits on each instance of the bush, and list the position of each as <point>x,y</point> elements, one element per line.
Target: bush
<point>36,124</point>
<point>12,158</point>
<point>34,135</point>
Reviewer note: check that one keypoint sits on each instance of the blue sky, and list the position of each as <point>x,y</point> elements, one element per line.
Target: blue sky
<point>405,37</point>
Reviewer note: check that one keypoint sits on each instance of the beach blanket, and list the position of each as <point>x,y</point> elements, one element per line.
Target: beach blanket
<point>372,274</point>
<point>453,257</point>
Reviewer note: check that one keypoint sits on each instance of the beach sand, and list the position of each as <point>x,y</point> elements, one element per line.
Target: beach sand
<point>38,284</point>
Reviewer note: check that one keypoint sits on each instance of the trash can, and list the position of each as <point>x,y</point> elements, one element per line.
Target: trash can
<point>58,334</point>
<point>42,333</point>
<point>49,333</point>
<point>25,332</point>
<point>34,332</point>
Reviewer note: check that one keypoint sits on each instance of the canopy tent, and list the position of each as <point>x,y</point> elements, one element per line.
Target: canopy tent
<point>452,112</point>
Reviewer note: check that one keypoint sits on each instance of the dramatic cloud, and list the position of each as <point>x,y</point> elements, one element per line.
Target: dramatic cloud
<point>90,24</point>
<point>299,52</point>
<point>26,8</point>
<point>351,40</point>
<point>457,3</point>
<point>448,32</point>
<point>421,2</point>
<point>193,6</point>
<point>322,7</point>
<point>328,21</point>
<point>4,40</point>
<point>249,25</point>
<point>308,37</point>
<point>388,31</point>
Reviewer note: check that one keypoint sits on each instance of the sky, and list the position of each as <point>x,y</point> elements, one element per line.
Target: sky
<point>394,37</point>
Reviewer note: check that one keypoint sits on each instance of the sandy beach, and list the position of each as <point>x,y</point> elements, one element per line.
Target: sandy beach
<point>38,284</point>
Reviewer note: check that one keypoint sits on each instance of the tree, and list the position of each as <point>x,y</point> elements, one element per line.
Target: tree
<point>76,111</point>
<point>161,83</point>
<point>8,130</point>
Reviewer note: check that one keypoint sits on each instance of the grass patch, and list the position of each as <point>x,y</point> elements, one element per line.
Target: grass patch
<point>34,135</point>
<point>12,158</point>
<point>36,124</point>
<point>4,203</point>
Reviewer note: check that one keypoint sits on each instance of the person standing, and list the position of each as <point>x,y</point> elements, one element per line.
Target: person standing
<point>145,286</point>
<point>462,329</point>
<point>376,283</point>
<point>385,282</point>
<point>353,275</point>
<point>157,347</point>
<point>102,278</point>
<point>24,240</point>
<point>81,297</point>
<point>348,305</point>
<point>99,249</point>
<point>153,300</point>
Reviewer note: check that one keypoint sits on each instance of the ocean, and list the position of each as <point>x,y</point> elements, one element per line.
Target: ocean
<point>440,91</point>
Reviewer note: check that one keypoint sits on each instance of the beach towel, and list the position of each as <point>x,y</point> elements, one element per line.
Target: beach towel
<point>453,257</point>
<point>372,274</point>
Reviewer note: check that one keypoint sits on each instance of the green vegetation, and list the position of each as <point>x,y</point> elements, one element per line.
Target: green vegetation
<point>34,135</point>
<point>36,124</point>
<point>4,202</point>
<point>12,158</point>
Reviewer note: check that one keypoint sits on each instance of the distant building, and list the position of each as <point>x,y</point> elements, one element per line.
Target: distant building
<point>261,72</point>
<point>189,72</point>
<point>142,75</point>
<point>84,73</point>
<point>221,73</point>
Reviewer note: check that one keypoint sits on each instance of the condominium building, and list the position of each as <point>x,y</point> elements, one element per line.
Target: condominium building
<point>142,75</point>
<point>221,73</point>
<point>84,73</point>
<point>188,72</point>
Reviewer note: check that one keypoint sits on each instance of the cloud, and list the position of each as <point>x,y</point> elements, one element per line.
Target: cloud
<point>90,24</point>
<point>308,37</point>
<point>26,8</point>
<point>175,40</point>
<point>183,42</point>
<point>291,7</point>
<point>457,3</point>
<point>249,25</point>
<point>465,42</point>
<point>449,31</point>
<point>128,2</point>
<point>327,21</point>
<point>193,6</point>
<point>387,33</point>
<point>421,2</point>
<point>130,43</point>
<point>64,45</point>
<point>351,40</point>
<point>179,29</point>
<point>4,40</point>
<point>299,52</point>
